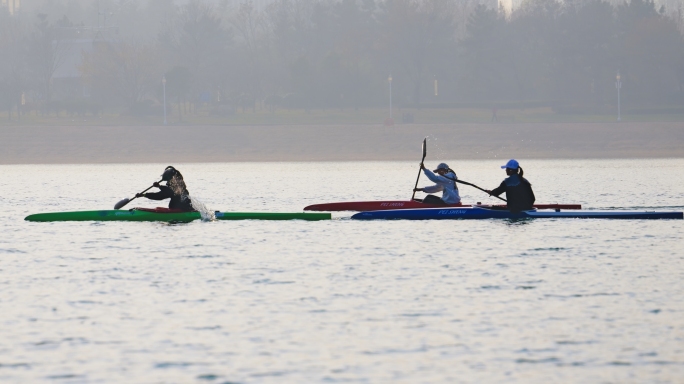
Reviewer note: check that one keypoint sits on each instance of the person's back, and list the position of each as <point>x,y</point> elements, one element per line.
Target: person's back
<point>174,189</point>
<point>518,193</point>
<point>178,200</point>
<point>518,190</point>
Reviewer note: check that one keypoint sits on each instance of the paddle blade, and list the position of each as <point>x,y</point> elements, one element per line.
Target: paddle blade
<point>413,196</point>
<point>121,203</point>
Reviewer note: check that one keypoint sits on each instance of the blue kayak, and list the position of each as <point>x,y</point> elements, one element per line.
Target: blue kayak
<point>478,213</point>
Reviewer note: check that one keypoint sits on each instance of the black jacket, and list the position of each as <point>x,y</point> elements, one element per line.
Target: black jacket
<point>518,193</point>
<point>181,202</point>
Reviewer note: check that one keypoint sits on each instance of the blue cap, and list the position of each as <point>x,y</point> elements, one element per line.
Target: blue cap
<point>512,164</point>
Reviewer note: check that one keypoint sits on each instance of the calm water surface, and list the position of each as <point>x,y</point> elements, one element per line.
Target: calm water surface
<point>341,301</point>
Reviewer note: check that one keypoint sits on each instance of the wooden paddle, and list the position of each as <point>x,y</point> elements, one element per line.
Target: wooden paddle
<point>421,167</point>
<point>123,202</point>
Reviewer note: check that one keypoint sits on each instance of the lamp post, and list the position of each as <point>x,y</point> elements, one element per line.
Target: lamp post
<point>618,85</point>
<point>390,89</point>
<point>164,83</point>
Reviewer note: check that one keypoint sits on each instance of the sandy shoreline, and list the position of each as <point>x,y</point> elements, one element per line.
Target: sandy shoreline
<point>183,144</point>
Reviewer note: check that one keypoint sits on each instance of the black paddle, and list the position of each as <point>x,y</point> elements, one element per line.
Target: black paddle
<point>421,168</point>
<point>483,190</point>
<point>123,202</point>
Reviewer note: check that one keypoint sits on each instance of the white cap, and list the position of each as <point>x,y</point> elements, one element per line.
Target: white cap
<point>443,166</point>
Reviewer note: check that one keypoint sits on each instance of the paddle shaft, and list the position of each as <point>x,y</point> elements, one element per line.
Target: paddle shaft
<point>420,169</point>
<point>135,197</point>
<point>483,190</point>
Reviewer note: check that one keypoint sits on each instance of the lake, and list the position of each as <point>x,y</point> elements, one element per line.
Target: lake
<point>533,301</point>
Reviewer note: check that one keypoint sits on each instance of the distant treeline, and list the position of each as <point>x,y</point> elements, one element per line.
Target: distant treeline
<point>340,54</point>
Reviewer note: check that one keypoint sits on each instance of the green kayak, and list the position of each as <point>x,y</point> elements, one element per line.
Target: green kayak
<point>139,214</point>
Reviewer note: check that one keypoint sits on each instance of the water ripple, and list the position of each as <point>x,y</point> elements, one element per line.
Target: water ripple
<point>341,301</point>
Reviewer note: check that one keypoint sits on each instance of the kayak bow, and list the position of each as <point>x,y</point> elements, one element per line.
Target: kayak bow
<point>480,213</point>
<point>168,215</point>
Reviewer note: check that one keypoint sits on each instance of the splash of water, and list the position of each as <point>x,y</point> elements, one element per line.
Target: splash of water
<point>206,213</point>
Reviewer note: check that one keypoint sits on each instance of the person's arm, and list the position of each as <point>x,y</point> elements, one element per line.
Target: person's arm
<point>498,190</point>
<point>436,178</point>
<point>164,193</point>
<point>433,188</point>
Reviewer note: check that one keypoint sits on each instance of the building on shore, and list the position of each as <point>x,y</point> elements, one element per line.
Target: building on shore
<point>505,7</point>
<point>11,5</point>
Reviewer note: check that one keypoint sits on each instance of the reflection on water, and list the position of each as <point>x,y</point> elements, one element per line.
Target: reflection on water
<point>341,301</point>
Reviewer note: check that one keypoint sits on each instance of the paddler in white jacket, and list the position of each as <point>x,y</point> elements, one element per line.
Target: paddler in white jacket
<point>445,182</point>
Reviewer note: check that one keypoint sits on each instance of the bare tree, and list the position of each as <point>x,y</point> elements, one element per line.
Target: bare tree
<point>416,32</point>
<point>197,40</point>
<point>249,24</point>
<point>47,51</point>
<point>12,71</point>
<point>129,71</point>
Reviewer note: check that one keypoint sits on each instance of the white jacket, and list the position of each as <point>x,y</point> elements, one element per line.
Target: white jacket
<point>442,183</point>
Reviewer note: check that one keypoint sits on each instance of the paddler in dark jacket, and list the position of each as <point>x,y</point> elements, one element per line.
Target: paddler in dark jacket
<point>518,190</point>
<point>174,189</point>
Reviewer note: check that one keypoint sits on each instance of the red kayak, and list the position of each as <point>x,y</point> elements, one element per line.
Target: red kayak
<point>385,205</point>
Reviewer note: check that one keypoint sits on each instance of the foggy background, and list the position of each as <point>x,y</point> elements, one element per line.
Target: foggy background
<point>220,57</point>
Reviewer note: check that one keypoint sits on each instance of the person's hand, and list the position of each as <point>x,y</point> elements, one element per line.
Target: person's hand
<point>139,195</point>
<point>155,184</point>
<point>488,191</point>
<point>417,189</point>
<point>422,166</point>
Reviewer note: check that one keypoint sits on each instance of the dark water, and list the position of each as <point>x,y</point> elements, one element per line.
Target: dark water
<point>341,301</point>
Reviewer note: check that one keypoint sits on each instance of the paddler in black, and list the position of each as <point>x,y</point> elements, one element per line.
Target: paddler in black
<point>518,190</point>
<point>174,189</point>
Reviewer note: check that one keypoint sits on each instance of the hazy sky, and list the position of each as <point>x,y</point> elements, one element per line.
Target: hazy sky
<point>311,54</point>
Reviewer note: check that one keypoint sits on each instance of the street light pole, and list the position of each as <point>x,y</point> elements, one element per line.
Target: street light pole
<point>390,89</point>
<point>164,83</point>
<point>618,85</point>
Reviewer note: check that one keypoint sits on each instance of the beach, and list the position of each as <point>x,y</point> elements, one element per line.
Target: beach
<point>273,143</point>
